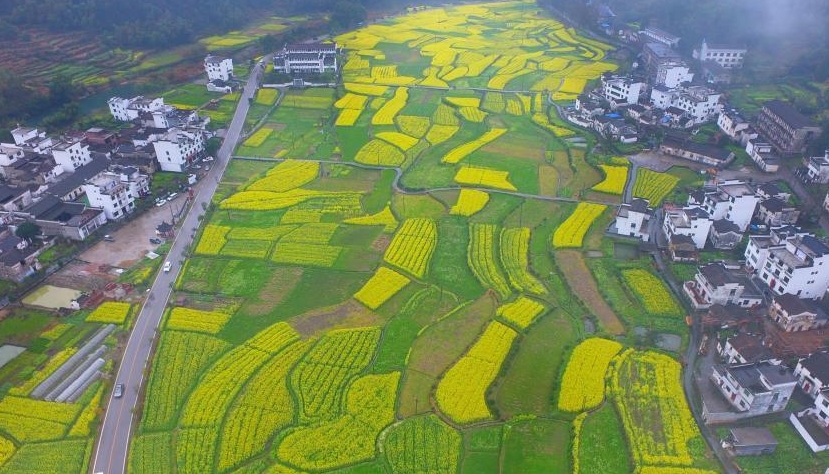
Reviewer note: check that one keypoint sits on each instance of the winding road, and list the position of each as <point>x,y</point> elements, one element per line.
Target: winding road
<point>110,455</point>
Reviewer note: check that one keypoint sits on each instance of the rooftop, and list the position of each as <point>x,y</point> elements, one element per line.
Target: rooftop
<point>788,114</point>
<point>717,275</point>
<point>750,347</point>
<point>818,366</point>
<point>751,436</point>
<point>723,226</point>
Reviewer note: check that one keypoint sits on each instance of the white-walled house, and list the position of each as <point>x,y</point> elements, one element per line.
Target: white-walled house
<point>127,110</point>
<point>114,194</point>
<point>813,423</point>
<point>799,267</point>
<point>745,348</point>
<point>817,168</point>
<point>727,56</point>
<point>691,221</point>
<point>755,389</point>
<point>632,219</point>
<point>700,103</point>
<point>732,123</point>
<point>176,149</point>
<point>732,200</point>
<point>715,284</point>
<point>305,58</point>
<point>813,373</point>
<point>218,68</point>
<point>10,154</point>
<point>763,154</point>
<point>623,90</point>
<point>71,154</point>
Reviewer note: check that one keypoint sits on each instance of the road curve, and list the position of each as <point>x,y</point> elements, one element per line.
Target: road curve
<point>110,454</point>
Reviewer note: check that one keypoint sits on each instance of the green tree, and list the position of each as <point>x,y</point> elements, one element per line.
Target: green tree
<point>27,231</point>
<point>347,13</point>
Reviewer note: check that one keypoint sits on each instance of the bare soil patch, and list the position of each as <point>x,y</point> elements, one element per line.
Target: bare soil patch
<point>581,282</point>
<point>349,314</point>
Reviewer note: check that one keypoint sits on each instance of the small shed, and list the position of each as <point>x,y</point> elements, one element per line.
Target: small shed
<point>750,441</point>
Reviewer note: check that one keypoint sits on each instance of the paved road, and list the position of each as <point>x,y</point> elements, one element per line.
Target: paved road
<point>113,443</point>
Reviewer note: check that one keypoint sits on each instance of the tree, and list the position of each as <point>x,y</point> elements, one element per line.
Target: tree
<point>27,231</point>
<point>347,13</point>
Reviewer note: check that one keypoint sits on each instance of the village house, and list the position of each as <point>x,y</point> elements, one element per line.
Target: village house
<point>127,110</point>
<point>70,186</point>
<point>812,424</point>
<point>797,265</point>
<point>682,248</point>
<point>715,284</point>
<point>17,257</point>
<point>714,73</point>
<point>772,190</point>
<point>732,123</point>
<point>661,36</point>
<point>116,192</point>
<point>759,246</point>
<point>623,90</point>
<point>218,68</point>
<point>793,314</point>
<point>749,441</point>
<point>71,220</point>
<point>785,128</point>
<point>732,200</point>
<point>71,154</point>
<point>178,148</point>
<point>724,234</point>
<point>812,373</point>
<point>632,220</point>
<point>752,389</point>
<point>744,348</point>
<point>655,55</point>
<point>704,153</point>
<point>14,198</point>
<point>691,221</point>
<point>817,169</point>
<point>672,74</point>
<point>730,316</point>
<point>306,58</point>
<point>775,212</point>
<point>10,154</point>
<point>727,56</point>
<point>700,103</point>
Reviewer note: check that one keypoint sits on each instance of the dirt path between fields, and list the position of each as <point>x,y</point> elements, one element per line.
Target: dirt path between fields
<point>581,282</point>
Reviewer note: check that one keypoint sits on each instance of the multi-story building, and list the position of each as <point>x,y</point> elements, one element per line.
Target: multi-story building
<point>715,284</point>
<point>700,103</point>
<point>732,123</point>
<point>218,68</point>
<point>732,200</point>
<point>775,212</point>
<point>655,54</point>
<point>725,235</point>
<point>622,90</point>
<point>108,192</point>
<point>127,110</point>
<point>177,149</point>
<point>760,246</point>
<point>672,74</point>
<point>727,56</point>
<point>813,373</point>
<point>799,266</point>
<point>632,220</point>
<point>754,389</point>
<point>71,154</point>
<point>763,154</point>
<point>691,221</point>
<point>793,314</point>
<point>306,58</point>
<point>817,168</point>
<point>10,154</point>
<point>813,423</point>
<point>744,348</point>
<point>785,128</point>
<point>660,36</point>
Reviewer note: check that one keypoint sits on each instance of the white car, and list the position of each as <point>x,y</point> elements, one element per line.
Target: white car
<point>119,390</point>
<point>172,196</point>
<point>160,202</point>
<point>167,266</point>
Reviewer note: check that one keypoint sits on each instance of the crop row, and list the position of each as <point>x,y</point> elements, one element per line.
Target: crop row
<point>306,254</point>
<point>461,393</point>
<point>482,260</point>
<point>351,101</point>
<point>521,312</point>
<point>322,375</point>
<point>264,407</point>
<point>486,177</point>
<point>114,312</point>
<point>514,247</point>
<point>652,405</point>
<point>582,385</point>
<point>179,362</point>
<point>258,137</point>
<point>151,453</point>
<point>312,233</point>
<point>379,152</point>
<point>384,284</point>
<point>462,151</point>
<point>289,174</point>
<point>440,133</point>
<point>571,232</point>
<point>445,115</point>
<point>365,89</point>
<point>348,117</point>
<point>413,125</point>
<point>653,186</point>
<point>400,140</point>
<point>412,246</point>
<point>386,114</point>
<point>385,218</point>
<point>350,437</point>
<point>614,179</point>
<point>212,239</point>
<point>188,319</point>
<point>652,292</point>
<point>469,202</point>
<point>422,444</point>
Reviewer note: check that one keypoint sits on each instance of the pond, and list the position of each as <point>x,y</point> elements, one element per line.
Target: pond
<point>9,352</point>
<point>48,296</point>
<point>622,251</point>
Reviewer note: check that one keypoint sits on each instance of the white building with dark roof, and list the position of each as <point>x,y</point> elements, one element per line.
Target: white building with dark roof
<point>793,314</point>
<point>798,265</point>
<point>775,212</point>
<point>727,56</point>
<point>178,148</point>
<point>744,348</point>
<point>817,168</point>
<point>691,221</point>
<point>633,219</point>
<point>306,58</point>
<point>733,200</point>
<point>622,90</point>
<point>732,123</point>
<point>127,110</point>
<point>763,154</point>
<point>218,68</point>
<point>813,373</point>
<point>715,284</point>
<point>785,128</point>
<point>661,36</point>
<point>754,389</point>
<point>71,154</point>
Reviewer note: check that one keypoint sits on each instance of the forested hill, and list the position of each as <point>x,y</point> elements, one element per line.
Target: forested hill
<point>791,34</point>
<point>154,23</point>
